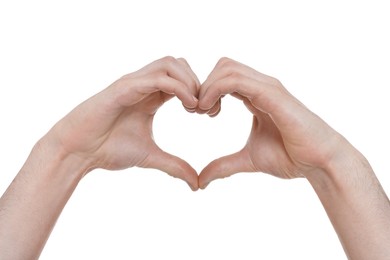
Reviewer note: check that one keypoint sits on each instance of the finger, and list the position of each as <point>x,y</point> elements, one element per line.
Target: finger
<point>238,96</point>
<point>195,91</point>
<point>225,167</point>
<point>191,72</point>
<point>175,68</point>
<point>263,96</point>
<point>132,90</point>
<point>214,111</point>
<point>174,166</point>
<point>203,88</point>
<point>179,70</point>
<point>224,68</point>
<point>258,96</point>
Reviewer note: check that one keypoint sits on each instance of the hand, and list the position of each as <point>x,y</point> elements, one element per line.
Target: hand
<point>113,129</point>
<point>287,140</point>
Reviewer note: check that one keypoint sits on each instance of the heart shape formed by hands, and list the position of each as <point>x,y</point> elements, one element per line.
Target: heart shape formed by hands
<point>113,129</point>
<point>282,141</point>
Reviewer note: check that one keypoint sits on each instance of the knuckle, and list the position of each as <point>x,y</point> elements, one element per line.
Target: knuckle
<point>236,77</point>
<point>228,63</point>
<point>230,67</point>
<point>222,61</point>
<point>158,79</point>
<point>168,60</point>
<point>168,64</point>
<point>182,60</point>
<point>275,81</point>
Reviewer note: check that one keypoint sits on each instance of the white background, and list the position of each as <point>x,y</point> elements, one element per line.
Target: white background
<point>333,55</point>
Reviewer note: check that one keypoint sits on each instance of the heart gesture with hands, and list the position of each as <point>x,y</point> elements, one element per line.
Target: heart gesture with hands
<point>113,130</point>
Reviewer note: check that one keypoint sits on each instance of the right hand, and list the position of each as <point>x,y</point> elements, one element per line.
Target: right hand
<point>287,140</point>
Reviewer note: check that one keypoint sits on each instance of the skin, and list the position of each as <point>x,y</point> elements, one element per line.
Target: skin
<point>289,141</point>
<point>113,130</point>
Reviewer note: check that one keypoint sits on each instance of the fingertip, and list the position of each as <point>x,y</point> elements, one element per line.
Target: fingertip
<point>193,181</point>
<point>191,109</point>
<point>192,187</point>
<point>191,178</point>
<point>214,111</point>
<point>203,182</point>
<point>204,177</point>
<point>204,106</point>
<point>191,105</point>
<point>204,186</point>
<point>175,167</point>
<point>200,111</point>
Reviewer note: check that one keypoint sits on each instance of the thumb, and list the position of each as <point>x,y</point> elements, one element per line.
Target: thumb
<point>225,167</point>
<point>174,166</point>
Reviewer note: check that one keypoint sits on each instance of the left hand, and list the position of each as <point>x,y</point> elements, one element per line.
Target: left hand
<point>113,129</point>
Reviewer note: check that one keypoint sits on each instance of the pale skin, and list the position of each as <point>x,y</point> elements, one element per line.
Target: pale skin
<point>113,130</point>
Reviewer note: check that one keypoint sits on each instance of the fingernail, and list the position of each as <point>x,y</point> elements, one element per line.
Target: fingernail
<point>195,99</point>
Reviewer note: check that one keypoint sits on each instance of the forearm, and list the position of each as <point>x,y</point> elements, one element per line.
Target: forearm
<point>356,205</point>
<point>34,200</point>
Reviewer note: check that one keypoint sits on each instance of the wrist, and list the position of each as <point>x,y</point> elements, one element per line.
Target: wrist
<point>51,154</point>
<point>346,168</point>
